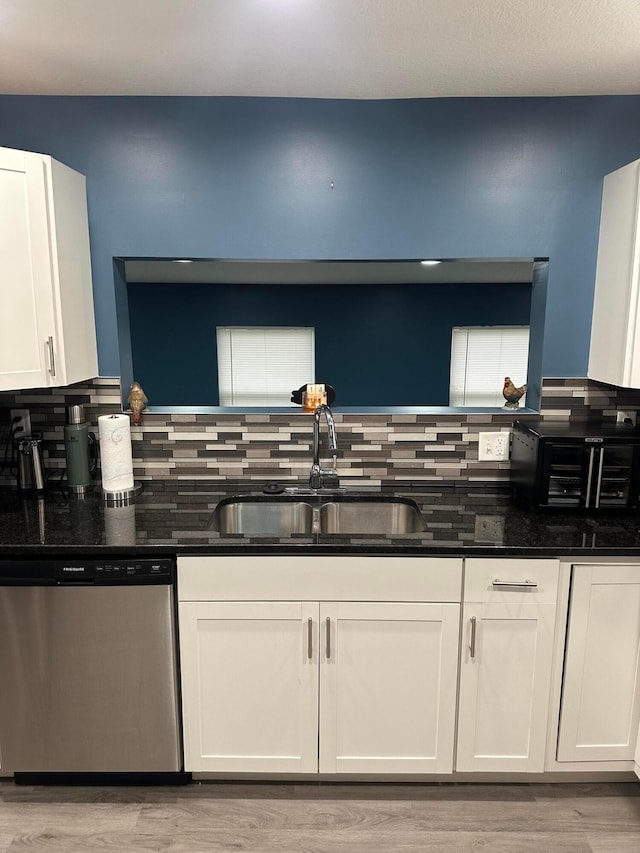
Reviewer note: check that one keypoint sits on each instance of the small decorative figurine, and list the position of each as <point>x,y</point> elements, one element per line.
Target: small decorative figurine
<point>512,394</point>
<point>137,401</point>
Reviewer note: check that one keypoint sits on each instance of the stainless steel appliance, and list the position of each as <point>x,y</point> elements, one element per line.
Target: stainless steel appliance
<point>31,476</point>
<point>88,666</point>
<point>576,466</point>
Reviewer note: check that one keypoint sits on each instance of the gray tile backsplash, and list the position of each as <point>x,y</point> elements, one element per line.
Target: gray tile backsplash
<point>373,448</point>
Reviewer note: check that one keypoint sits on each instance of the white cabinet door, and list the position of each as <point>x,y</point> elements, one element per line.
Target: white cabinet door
<point>250,686</point>
<point>47,328</point>
<point>637,757</point>
<point>506,667</point>
<point>505,682</point>
<point>614,355</point>
<point>600,709</point>
<point>26,308</point>
<point>388,687</point>
<point>387,675</point>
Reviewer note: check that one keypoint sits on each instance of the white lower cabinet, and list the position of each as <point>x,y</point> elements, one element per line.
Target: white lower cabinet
<point>250,688</point>
<point>322,686</point>
<point>383,675</point>
<point>506,664</point>
<point>600,710</point>
<point>388,679</point>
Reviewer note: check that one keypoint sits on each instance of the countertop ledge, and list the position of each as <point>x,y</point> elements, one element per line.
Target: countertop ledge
<point>171,517</point>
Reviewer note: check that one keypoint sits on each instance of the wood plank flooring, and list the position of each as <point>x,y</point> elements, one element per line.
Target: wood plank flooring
<point>322,818</point>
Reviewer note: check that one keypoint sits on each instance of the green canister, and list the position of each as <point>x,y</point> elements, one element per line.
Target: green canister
<point>77,440</point>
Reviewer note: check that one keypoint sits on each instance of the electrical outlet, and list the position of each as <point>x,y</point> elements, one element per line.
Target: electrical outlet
<point>23,426</point>
<point>626,417</point>
<point>493,446</point>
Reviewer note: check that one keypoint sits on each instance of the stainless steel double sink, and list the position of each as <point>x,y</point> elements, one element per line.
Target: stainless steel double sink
<point>288,515</point>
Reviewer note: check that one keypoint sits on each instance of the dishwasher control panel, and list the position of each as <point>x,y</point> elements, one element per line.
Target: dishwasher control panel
<point>116,570</point>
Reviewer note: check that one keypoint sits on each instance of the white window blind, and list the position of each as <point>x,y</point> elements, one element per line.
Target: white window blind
<point>481,357</point>
<point>261,366</point>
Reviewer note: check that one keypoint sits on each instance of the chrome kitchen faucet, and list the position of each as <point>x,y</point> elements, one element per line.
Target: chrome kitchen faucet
<point>323,478</point>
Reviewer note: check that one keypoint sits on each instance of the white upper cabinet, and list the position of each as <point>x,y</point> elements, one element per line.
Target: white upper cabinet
<point>614,355</point>
<point>47,326</point>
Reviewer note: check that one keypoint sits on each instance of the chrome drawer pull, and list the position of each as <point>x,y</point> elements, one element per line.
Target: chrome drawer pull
<point>526,584</point>
<point>310,638</point>
<point>328,638</point>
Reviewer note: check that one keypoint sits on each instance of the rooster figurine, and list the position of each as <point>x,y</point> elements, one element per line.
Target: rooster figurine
<point>512,394</point>
<point>137,401</point>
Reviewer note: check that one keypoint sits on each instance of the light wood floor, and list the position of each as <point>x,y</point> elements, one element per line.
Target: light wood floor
<point>322,818</point>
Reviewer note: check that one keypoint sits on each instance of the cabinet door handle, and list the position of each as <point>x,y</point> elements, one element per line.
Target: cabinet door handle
<point>599,480</point>
<point>309,637</point>
<point>589,477</point>
<point>472,644</point>
<point>52,356</point>
<point>328,638</point>
<point>526,584</point>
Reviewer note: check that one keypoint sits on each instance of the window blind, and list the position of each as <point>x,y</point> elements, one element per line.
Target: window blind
<point>261,366</point>
<point>481,357</point>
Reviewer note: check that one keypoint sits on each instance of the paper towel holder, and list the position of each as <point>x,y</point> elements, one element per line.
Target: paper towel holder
<point>121,497</point>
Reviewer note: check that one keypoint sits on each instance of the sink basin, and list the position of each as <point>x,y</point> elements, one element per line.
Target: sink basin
<point>263,517</point>
<point>395,516</point>
<point>280,516</point>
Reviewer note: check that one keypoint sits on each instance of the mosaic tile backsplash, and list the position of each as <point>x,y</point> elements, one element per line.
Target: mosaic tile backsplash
<point>372,448</point>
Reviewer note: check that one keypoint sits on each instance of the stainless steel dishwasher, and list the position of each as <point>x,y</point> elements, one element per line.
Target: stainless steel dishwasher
<point>88,667</point>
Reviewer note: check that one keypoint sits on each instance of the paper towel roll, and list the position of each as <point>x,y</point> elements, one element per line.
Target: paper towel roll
<point>116,459</point>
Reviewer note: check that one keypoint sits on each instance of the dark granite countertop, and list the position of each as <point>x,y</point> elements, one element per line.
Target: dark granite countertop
<point>175,518</point>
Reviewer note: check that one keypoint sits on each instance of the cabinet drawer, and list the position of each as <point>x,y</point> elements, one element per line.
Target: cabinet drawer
<point>511,580</point>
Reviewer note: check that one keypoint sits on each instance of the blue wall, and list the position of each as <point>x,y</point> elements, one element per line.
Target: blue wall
<point>377,345</point>
<point>291,178</point>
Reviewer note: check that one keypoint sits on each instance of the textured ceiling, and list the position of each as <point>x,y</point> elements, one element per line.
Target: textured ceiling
<point>320,48</point>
